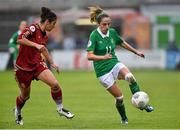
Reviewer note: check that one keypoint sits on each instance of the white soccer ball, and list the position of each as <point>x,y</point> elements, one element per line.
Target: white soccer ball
<point>140,99</point>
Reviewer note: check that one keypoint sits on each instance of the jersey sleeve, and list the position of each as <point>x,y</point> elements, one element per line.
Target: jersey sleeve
<point>91,42</point>
<point>28,31</point>
<point>118,39</point>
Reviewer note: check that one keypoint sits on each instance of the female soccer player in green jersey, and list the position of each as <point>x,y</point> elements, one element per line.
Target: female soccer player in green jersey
<point>13,45</point>
<point>101,50</point>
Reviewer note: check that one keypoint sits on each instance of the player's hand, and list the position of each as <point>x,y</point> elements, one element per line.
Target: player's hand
<point>140,54</point>
<point>107,56</point>
<point>56,68</point>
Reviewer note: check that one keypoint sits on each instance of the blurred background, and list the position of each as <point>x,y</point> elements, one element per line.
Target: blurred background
<point>152,26</point>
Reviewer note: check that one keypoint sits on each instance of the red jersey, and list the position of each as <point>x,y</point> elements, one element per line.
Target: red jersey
<point>29,57</point>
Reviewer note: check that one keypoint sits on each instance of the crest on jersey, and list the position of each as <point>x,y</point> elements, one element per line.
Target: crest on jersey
<point>89,43</point>
<point>32,28</point>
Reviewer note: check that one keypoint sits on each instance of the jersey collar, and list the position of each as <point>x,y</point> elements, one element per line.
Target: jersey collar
<point>103,35</point>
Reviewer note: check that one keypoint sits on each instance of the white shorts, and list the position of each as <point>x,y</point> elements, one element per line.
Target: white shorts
<point>108,79</point>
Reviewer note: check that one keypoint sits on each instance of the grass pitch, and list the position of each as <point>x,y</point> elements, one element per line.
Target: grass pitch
<point>93,107</point>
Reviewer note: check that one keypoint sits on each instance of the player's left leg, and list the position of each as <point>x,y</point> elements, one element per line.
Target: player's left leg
<point>125,74</point>
<point>47,77</point>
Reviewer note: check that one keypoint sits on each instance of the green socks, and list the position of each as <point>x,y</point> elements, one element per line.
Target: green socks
<point>134,87</point>
<point>121,109</point>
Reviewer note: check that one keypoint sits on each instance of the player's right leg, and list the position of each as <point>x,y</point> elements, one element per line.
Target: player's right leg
<point>47,77</point>
<point>115,91</point>
<point>20,101</point>
<point>24,95</point>
<point>109,82</point>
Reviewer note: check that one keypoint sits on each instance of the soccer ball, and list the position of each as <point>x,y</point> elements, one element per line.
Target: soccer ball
<point>140,99</point>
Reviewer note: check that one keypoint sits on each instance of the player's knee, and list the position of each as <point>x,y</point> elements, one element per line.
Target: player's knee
<point>24,98</point>
<point>55,84</point>
<point>119,101</point>
<point>130,78</point>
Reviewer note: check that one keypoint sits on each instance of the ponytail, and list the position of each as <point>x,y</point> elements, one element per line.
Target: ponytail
<point>96,14</point>
<point>46,13</point>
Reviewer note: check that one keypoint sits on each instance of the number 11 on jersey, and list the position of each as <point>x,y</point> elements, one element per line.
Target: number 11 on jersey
<point>108,49</point>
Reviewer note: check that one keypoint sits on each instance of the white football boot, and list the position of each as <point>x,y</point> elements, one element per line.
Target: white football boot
<point>124,122</point>
<point>18,117</point>
<point>66,113</point>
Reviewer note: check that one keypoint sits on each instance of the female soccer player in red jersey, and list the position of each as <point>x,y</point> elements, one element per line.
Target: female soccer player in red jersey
<point>30,65</point>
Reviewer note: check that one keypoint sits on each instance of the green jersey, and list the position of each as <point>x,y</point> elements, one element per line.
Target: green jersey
<point>102,44</point>
<point>14,45</point>
<point>13,39</point>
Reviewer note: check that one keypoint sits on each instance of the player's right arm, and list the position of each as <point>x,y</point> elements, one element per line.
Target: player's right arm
<point>92,56</point>
<point>25,41</point>
<point>91,48</point>
<point>23,38</point>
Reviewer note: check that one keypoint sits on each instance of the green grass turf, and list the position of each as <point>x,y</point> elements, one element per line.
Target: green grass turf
<point>93,106</point>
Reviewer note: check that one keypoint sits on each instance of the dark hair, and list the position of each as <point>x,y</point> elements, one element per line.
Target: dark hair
<point>47,14</point>
<point>96,14</point>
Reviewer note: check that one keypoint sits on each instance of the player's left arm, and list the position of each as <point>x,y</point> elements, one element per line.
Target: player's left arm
<point>48,57</point>
<point>130,48</point>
